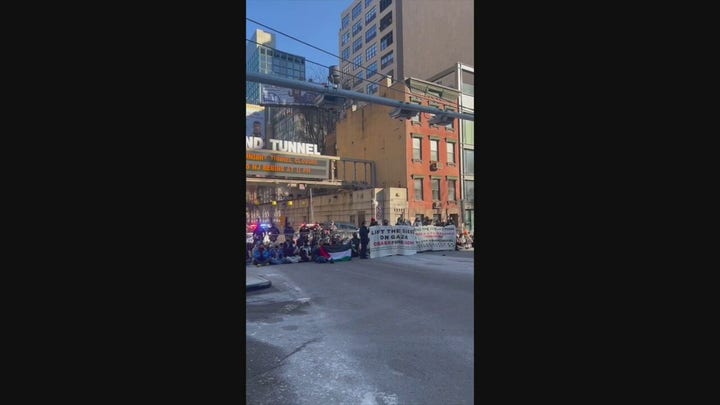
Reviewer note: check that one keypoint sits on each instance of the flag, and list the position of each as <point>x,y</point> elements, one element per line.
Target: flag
<point>340,253</point>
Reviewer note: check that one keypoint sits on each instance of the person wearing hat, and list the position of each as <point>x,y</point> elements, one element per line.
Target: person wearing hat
<point>373,222</point>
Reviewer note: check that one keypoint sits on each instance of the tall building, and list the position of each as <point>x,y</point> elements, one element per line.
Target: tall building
<point>402,38</point>
<point>262,57</point>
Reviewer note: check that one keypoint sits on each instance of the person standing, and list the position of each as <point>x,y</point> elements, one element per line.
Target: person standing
<point>273,232</point>
<point>364,240</point>
<point>289,231</point>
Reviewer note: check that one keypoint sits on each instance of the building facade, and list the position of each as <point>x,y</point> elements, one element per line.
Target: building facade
<point>262,57</point>
<point>410,154</point>
<point>462,77</point>
<point>402,38</point>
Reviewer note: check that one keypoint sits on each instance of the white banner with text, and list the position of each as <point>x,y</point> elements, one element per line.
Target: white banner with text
<point>392,240</point>
<point>431,237</point>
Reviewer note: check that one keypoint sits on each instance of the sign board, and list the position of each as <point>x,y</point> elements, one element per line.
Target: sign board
<point>265,163</point>
<point>392,240</point>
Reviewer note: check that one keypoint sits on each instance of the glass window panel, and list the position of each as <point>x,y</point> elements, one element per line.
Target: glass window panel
<point>418,186</point>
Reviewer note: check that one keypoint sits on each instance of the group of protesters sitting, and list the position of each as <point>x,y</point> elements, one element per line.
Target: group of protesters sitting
<point>290,251</point>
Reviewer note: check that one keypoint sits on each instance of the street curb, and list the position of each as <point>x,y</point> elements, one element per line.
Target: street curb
<point>256,285</point>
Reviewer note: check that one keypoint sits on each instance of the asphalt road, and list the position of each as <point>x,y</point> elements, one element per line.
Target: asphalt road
<point>387,331</point>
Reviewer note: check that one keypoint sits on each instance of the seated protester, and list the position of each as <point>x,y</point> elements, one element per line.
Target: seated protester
<point>417,222</point>
<point>289,232</point>
<point>291,252</point>
<point>322,255</point>
<point>276,255</point>
<point>304,253</point>
<point>461,241</point>
<point>261,255</point>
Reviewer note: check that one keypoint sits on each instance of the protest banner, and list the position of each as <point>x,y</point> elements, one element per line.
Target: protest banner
<point>392,240</point>
<point>431,237</point>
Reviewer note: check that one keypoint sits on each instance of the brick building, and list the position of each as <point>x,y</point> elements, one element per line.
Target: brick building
<point>411,154</point>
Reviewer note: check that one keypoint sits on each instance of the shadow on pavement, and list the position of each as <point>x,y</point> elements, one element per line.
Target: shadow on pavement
<point>264,381</point>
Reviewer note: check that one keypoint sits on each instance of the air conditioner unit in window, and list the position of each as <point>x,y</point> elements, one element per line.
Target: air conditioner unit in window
<point>434,165</point>
<point>436,204</point>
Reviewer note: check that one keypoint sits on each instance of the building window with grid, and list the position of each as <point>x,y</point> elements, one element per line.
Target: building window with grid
<point>370,52</point>
<point>370,34</point>
<point>345,38</point>
<point>469,161</point>
<point>357,45</point>
<point>372,88</point>
<point>434,150</point>
<point>372,69</point>
<point>451,125</point>
<point>358,78</point>
<point>384,4</point>
<point>435,183</point>
<point>346,70</point>
<point>357,62</point>
<point>370,15</point>
<point>345,21</point>
<point>468,133</point>
<point>451,153</point>
<point>367,3</point>
<point>356,10</point>
<point>416,119</point>
<point>386,60</point>
<point>451,189</point>
<point>418,186</point>
<point>386,21</point>
<point>357,27</point>
<point>346,53</point>
<point>386,41</point>
<point>417,149</point>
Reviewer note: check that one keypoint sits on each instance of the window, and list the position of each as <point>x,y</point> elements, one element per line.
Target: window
<point>370,52</point>
<point>372,88</point>
<point>469,161</point>
<point>450,126</point>
<point>370,15</point>
<point>357,27</point>
<point>346,53</point>
<point>469,191</point>
<point>370,34</point>
<point>468,132</point>
<point>386,41</point>
<point>385,21</point>
<point>367,2</point>
<point>357,62</point>
<point>451,152</point>
<point>358,78</point>
<point>345,21</point>
<point>345,38</point>
<point>418,186</point>
<point>417,151</point>
<point>451,189</point>
<point>384,4</point>
<point>435,183</point>
<point>356,10</point>
<point>416,119</point>
<point>372,70</point>
<point>357,45</point>
<point>434,150</point>
<point>346,70</point>
<point>386,60</point>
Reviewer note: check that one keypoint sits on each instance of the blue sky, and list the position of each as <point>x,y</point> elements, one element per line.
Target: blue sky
<point>316,22</point>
